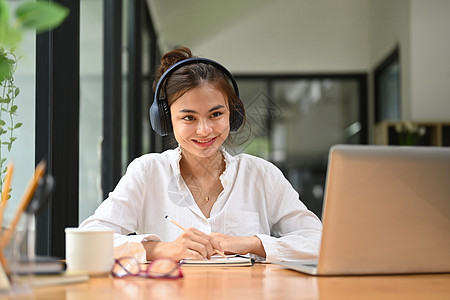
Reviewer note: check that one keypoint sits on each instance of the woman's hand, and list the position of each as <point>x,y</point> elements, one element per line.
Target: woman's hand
<point>239,244</point>
<point>192,243</point>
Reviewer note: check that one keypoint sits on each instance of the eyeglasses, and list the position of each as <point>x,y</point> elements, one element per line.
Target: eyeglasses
<point>159,268</point>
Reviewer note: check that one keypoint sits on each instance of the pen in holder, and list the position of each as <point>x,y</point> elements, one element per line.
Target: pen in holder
<point>23,246</point>
<point>5,284</point>
<point>40,197</point>
<point>17,242</point>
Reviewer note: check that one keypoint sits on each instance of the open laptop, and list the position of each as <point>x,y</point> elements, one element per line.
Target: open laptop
<point>386,211</point>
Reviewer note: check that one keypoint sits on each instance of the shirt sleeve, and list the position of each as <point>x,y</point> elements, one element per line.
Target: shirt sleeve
<point>120,212</point>
<point>295,231</point>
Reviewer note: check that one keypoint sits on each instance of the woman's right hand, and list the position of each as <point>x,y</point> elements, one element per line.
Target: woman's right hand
<point>192,243</point>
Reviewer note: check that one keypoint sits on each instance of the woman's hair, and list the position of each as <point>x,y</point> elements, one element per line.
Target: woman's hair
<point>192,76</point>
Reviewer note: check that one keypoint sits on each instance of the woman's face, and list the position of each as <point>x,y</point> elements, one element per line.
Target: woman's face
<point>201,121</point>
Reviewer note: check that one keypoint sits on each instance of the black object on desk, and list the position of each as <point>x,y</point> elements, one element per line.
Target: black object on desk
<point>40,265</point>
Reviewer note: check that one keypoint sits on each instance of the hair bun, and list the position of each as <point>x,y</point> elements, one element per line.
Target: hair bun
<point>171,58</point>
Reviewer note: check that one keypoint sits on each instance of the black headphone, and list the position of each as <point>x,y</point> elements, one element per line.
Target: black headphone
<point>160,111</point>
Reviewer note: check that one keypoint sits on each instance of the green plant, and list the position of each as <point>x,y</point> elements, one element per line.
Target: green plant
<point>8,107</point>
<point>29,15</point>
<point>409,133</point>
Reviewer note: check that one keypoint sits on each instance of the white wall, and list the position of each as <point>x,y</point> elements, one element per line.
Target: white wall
<point>295,36</point>
<point>430,62</point>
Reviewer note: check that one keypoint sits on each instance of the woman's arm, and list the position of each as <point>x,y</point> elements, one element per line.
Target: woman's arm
<point>295,231</point>
<point>239,244</point>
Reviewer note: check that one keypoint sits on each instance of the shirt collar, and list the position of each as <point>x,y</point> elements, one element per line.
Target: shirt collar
<point>174,159</point>
<point>230,163</point>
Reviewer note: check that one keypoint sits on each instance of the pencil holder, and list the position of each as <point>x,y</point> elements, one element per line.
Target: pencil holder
<point>19,255</point>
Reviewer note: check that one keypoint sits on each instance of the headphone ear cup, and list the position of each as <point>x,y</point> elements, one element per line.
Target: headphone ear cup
<point>165,118</point>
<point>160,117</point>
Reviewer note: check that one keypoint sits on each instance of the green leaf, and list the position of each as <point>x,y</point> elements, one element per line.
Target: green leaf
<point>41,15</point>
<point>18,125</point>
<point>5,68</point>
<point>12,139</point>
<point>13,109</point>
<point>17,92</point>
<point>4,18</point>
<point>2,123</point>
<point>10,36</point>
<point>4,12</point>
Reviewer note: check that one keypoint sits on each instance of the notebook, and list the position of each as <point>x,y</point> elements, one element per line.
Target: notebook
<point>386,211</point>
<point>219,261</point>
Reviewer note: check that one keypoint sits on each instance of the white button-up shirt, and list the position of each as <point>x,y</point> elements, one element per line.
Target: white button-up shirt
<point>257,200</point>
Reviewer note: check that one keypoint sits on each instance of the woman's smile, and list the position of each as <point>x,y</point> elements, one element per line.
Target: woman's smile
<point>205,142</point>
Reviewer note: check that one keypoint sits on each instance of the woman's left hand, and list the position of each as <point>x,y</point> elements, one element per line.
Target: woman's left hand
<point>239,244</point>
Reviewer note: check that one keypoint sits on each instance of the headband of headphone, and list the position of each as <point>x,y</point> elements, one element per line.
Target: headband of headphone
<point>160,111</point>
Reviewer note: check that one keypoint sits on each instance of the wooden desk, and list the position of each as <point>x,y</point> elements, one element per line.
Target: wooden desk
<point>258,282</point>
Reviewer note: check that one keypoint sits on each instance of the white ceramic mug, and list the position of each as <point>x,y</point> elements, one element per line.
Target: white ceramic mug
<point>89,250</point>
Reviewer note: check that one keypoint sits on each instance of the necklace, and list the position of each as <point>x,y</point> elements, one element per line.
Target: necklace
<point>197,191</point>
<point>203,190</point>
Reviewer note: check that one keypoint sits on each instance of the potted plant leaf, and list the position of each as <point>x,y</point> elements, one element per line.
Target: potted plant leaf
<point>28,15</point>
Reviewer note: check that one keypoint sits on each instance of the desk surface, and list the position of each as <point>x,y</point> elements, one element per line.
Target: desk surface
<point>262,281</point>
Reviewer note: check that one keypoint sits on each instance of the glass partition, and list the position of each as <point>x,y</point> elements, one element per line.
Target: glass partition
<point>91,105</point>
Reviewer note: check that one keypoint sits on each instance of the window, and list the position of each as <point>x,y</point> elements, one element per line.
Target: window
<point>387,89</point>
<point>294,120</point>
<point>128,134</point>
<point>91,106</point>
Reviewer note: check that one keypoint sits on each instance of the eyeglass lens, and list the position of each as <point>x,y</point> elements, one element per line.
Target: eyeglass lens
<point>163,268</point>
<point>128,266</point>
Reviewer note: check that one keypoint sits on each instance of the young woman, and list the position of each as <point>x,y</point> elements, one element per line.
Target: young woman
<point>237,205</point>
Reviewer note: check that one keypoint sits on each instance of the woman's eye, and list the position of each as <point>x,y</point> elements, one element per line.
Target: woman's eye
<point>188,118</point>
<point>216,114</point>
